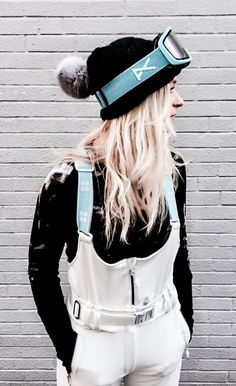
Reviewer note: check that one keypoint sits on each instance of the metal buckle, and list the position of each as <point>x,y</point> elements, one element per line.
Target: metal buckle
<point>76,309</point>
<point>144,316</point>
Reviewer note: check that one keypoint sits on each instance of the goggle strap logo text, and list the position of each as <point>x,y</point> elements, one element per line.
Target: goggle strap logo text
<point>138,72</point>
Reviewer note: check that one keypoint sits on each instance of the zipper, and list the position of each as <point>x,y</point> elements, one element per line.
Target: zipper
<point>132,278</point>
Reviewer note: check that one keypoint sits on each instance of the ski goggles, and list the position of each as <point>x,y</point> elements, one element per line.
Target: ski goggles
<point>169,52</point>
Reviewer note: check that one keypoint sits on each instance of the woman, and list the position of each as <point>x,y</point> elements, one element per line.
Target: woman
<point>118,203</point>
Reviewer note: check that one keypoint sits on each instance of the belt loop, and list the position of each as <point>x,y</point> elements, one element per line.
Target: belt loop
<point>95,318</point>
<point>167,301</point>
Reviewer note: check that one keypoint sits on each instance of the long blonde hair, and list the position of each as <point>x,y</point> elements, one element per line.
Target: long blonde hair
<point>136,152</point>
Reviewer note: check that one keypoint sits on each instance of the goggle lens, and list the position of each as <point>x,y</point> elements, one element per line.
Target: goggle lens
<point>172,44</point>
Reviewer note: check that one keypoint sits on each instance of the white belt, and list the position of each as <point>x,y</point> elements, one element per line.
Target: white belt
<point>95,316</point>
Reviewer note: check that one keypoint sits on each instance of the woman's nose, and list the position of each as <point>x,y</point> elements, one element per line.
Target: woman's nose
<point>178,101</point>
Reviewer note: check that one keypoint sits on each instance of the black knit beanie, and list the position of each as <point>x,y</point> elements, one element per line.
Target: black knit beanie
<point>80,79</point>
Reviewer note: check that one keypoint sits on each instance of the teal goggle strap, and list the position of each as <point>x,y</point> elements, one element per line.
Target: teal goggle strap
<point>142,70</point>
<point>170,198</point>
<point>85,196</point>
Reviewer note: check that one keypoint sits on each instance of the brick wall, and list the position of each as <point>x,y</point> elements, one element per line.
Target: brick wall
<point>35,116</point>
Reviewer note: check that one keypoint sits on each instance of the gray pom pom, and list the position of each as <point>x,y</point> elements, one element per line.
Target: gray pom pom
<point>72,75</point>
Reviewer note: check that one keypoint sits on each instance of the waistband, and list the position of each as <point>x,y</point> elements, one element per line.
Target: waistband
<point>99,318</point>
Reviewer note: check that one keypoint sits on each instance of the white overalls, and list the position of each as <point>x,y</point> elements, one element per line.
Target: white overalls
<point>127,315</point>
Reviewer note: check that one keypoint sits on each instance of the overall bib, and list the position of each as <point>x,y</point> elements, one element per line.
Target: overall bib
<point>127,315</point>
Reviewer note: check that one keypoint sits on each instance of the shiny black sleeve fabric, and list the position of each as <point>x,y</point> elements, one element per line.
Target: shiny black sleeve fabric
<point>182,271</point>
<point>47,241</point>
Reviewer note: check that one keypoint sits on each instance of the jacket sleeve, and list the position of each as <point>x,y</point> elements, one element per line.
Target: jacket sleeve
<point>182,271</point>
<point>46,246</point>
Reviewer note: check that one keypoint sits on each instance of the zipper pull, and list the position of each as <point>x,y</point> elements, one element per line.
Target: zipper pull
<point>132,273</point>
<point>69,379</point>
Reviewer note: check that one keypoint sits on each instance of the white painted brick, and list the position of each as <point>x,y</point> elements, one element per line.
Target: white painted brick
<point>222,341</point>
<point>17,185</point>
<point>27,352</point>
<point>228,198</point>
<point>15,225</point>
<point>20,239</point>
<point>225,24</point>
<point>211,226</point>
<point>206,365</point>
<point>8,266</point>
<point>42,109</point>
<point>13,290</point>
<point>62,8</point>
<point>207,92</point>
<point>213,329</point>
<point>211,24</point>
<point>214,108</point>
<point>27,155</point>
<point>198,139</point>
<point>31,93</point>
<point>214,59</point>
<point>24,26</point>
<point>200,198</point>
<point>162,7</point>
<point>26,77</point>
<point>216,183</point>
<point>202,169</point>
<point>111,25</point>
<point>25,170</point>
<point>33,61</point>
<point>213,353</point>
<point>44,383</point>
<point>216,290</point>
<point>204,76</point>
<point>47,125</point>
<point>201,124</point>
<point>211,212</point>
<point>204,376</point>
<point>28,364</point>
<point>227,169</point>
<point>217,252</point>
<point>12,43</point>
<point>213,278</point>
<point>13,252</point>
<point>232,376</point>
<point>207,42</point>
<point>29,375</point>
<point>51,43</point>
<point>221,240</point>
<point>25,341</point>
<point>18,316</point>
<point>40,140</point>
<point>210,155</point>
<point>219,316</point>
<point>17,212</point>
<point>211,265</point>
<point>212,304</point>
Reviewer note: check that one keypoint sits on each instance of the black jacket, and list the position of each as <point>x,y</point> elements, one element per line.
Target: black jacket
<point>54,226</point>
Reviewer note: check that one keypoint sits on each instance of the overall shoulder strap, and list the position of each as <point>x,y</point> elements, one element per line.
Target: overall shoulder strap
<point>170,197</point>
<point>84,196</point>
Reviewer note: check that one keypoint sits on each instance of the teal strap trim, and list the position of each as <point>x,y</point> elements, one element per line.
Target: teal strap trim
<point>84,196</point>
<point>131,77</point>
<point>170,197</point>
